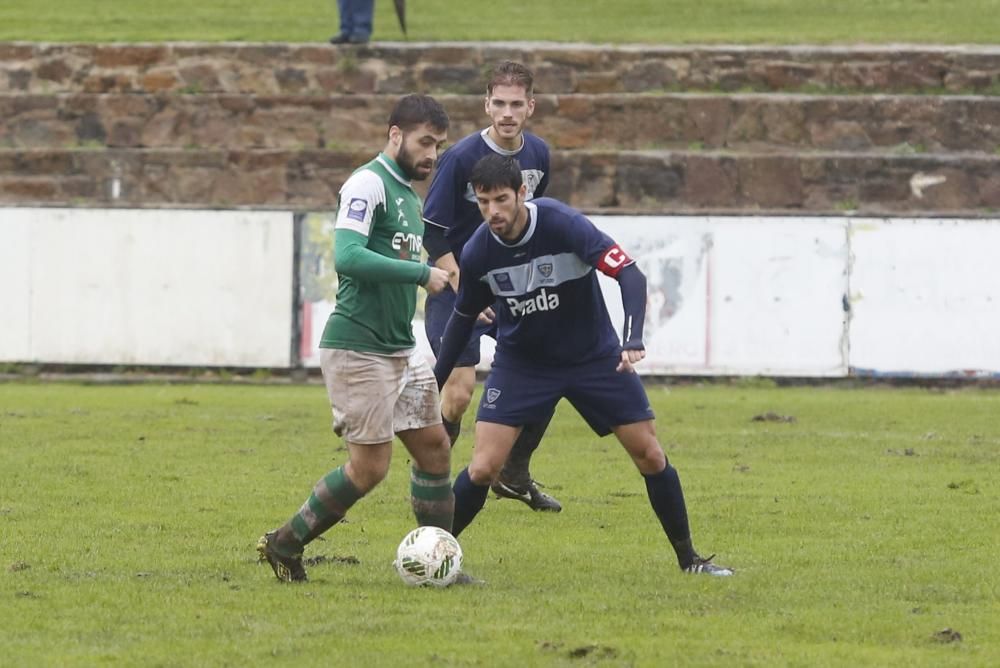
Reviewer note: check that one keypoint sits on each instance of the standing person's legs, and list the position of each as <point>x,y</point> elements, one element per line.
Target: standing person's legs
<point>345,17</point>
<point>356,21</point>
<point>363,16</point>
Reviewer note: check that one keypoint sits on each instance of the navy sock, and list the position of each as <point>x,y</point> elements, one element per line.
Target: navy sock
<point>469,500</point>
<point>667,500</point>
<point>515,470</point>
<point>453,429</point>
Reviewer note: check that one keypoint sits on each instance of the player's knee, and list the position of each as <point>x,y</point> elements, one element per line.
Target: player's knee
<point>484,473</point>
<point>367,474</point>
<point>454,405</point>
<point>655,459</point>
<point>437,458</point>
<point>649,459</point>
<point>456,396</point>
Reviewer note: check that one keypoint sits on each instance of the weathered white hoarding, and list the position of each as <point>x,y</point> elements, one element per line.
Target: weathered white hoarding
<point>738,295</point>
<point>726,295</point>
<point>146,287</point>
<point>925,297</point>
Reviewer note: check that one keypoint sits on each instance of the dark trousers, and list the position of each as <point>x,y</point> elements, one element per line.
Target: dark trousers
<point>356,17</point>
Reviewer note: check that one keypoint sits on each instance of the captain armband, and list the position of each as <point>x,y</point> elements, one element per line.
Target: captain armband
<point>613,261</point>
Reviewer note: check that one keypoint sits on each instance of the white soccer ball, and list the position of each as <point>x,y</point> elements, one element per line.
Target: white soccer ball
<point>428,556</point>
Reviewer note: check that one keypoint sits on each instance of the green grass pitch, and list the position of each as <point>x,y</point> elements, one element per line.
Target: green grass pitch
<point>860,532</point>
<point>622,21</point>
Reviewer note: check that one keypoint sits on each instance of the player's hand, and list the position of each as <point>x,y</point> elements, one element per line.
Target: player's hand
<point>487,316</point>
<point>629,359</point>
<point>437,281</point>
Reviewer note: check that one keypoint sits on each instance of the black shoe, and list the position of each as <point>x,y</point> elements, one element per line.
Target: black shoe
<point>340,39</point>
<point>527,493</point>
<point>706,566</point>
<point>357,39</point>
<point>286,569</point>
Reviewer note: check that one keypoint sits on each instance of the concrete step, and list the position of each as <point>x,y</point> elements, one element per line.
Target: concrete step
<point>651,182</point>
<point>458,67</point>
<point>746,122</point>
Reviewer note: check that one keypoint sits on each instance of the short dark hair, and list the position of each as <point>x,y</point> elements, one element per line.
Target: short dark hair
<point>495,171</point>
<point>509,73</point>
<point>413,110</point>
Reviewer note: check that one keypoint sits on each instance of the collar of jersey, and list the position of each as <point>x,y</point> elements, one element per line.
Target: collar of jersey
<point>485,134</point>
<point>392,168</point>
<point>526,237</point>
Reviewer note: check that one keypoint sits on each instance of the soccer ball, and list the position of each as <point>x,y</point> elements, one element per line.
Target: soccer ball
<point>428,556</point>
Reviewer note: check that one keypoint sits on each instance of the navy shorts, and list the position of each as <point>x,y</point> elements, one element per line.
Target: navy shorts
<point>520,395</point>
<point>437,310</point>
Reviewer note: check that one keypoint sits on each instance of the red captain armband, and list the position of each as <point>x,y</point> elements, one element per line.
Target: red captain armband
<point>613,261</point>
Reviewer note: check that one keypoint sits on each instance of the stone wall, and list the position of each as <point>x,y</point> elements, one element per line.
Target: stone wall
<point>270,69</point>
<point>634,129</point>
<point>605,182</point>
<point>752,122</point>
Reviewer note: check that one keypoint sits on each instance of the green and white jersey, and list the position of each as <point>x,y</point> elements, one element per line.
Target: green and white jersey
<point>379,235</point>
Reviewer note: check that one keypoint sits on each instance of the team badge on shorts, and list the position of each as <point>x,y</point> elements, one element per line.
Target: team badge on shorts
<point>492,394</point>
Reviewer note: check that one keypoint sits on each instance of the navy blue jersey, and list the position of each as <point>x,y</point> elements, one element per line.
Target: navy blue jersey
<point>451,202</point>
<point>549,306</point>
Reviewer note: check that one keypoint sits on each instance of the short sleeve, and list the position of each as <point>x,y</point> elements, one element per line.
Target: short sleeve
<point>360,195</point>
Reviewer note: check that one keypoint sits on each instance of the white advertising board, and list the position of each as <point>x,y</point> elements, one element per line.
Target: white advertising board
<point>738,295</point>
<point>726,295</point>
<point>925,297</point>
<point>146,287</point>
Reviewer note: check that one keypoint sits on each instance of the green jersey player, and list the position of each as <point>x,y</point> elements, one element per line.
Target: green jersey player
<point>377,384</point>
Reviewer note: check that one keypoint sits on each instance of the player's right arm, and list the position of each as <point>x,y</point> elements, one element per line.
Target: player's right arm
<point>353,258</point>
<point>473,296</point>
<point>360,196</point>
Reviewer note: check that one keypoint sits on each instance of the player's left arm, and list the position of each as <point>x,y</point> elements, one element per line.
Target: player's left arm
<point>604,254</point>
<point>611,260</point>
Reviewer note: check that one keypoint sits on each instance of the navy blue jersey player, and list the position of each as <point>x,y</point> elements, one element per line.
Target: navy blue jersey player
<point>537,262</point>
<point>451,216</point>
